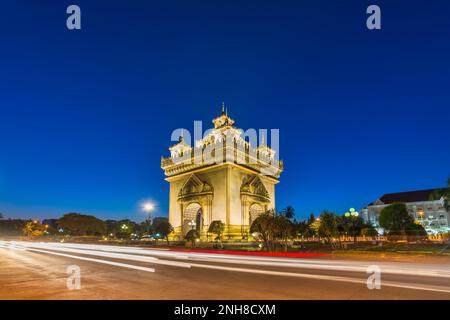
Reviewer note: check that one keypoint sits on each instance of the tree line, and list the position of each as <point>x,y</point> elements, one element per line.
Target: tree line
<point>278,230</point>
<point>77,224</point>
<point>275,230</point>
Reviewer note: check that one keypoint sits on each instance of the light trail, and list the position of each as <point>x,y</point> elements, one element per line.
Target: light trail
<point>111,255</point>
<point>144,255</point>
<point>413,270</point>
<point>112,263</point>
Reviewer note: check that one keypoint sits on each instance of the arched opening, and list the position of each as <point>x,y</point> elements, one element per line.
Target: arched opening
<point>192,218</point>
<point>254,211</point>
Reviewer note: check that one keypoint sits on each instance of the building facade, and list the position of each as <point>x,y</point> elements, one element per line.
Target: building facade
<point>223,177</point>
<point>432,214</point>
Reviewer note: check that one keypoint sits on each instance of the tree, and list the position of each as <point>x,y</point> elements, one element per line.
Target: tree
<point>125,228</point>
<point>416,231</point>
<point>164,228</point>
<point>328,228</point>
<point>288,212</point>
<point>217,227</point>
<point>192,236</point>
<point>311,219</point>
<point>1,216</point>
<point>33,229</point>
<point>264,225</point>
<point>284,229</point>
<point>395,219</point>
<point>12,227</point>
<point>350,224</point>
<point>302,229</point>
<point>81,225</point>
<point>314,227</point>
<point>146,227</point>
<point>369,231</point>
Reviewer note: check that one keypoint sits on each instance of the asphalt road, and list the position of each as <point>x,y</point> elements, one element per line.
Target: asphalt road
<point>30,270</point>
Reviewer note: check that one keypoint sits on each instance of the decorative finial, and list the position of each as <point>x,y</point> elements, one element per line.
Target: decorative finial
<point>223,107</point>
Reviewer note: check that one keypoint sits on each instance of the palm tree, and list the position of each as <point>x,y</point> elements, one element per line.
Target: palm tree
<point>283,230</point>
<point>264,225</point>
<point>288,212</point>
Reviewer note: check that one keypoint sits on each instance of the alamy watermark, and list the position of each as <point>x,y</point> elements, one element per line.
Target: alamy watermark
<point>74,277</point>
<point>73,21</point>
<point>227,144</point>
<point>374,279</point>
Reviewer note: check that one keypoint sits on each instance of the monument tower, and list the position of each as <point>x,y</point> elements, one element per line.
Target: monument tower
<point>223,177</point>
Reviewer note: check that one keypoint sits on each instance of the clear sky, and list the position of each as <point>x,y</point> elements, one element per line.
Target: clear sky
<point>86,115</point>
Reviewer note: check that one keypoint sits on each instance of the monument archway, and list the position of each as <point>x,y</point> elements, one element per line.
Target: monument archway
<point>195,199</point>
<point>254,211</point>
<point>192,218</point>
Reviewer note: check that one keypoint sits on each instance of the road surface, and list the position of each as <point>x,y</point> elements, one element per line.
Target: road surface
<point>31,270</point>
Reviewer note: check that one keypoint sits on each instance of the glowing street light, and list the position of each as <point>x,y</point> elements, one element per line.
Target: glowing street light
<point>353,214</point>
<point>148,207</point>
<point>192,224</point>
<point>421,213</point>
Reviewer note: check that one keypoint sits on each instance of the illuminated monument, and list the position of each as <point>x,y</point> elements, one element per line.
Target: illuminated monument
<point>224,177</point>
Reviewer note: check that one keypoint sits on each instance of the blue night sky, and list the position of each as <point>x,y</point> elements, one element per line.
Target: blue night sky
<point>86,115</point>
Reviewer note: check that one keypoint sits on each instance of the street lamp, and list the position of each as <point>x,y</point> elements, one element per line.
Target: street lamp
<point>353,214</point>
<point>148,207</point>
<point>192,224</point>
<point>421,213</point>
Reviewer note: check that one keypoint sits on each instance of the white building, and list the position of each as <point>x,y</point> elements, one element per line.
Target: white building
<point>432,214</point>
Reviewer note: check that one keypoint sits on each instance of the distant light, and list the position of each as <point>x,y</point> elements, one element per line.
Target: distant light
<point>148,206</point>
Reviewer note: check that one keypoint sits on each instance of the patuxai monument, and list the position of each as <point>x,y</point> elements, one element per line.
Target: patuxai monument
<point>224,176</point>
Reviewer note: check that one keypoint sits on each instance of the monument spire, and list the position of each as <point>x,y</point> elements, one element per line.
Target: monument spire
<point>223,107</point>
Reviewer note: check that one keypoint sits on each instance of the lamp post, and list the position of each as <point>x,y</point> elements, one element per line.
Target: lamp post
<point>192,224</point>
<point>148,207</point>
<point>421,213</point>
<point>353,215</point>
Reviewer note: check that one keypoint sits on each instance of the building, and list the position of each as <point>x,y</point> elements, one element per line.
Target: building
<point>224,177</point>
<point>432,214</point>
